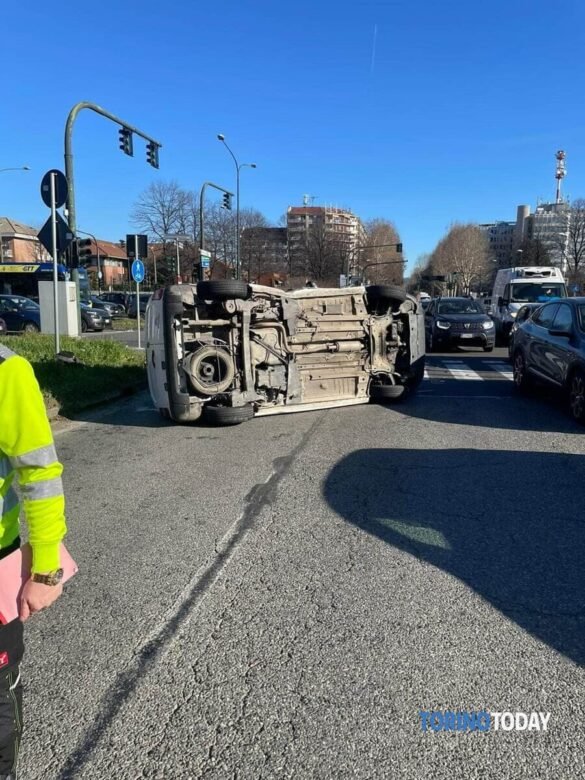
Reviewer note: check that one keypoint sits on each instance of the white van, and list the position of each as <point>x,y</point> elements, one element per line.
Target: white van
<point>513,287</point>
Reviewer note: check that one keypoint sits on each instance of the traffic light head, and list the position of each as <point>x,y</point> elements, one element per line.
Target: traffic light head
<point>227,201</point>
<point>81,251</point>
<point>126,143</point>
<point>152,154</point>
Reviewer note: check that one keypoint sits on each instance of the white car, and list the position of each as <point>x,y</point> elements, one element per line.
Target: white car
<point>231,351</point>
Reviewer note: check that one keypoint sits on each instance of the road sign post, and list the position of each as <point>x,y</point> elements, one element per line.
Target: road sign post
<point>53,203</point>
<point>138,276</point>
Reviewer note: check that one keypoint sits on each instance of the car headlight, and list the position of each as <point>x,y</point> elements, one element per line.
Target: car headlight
<point>443,325</point>
<point>487,325</point>
<point>512,314</point>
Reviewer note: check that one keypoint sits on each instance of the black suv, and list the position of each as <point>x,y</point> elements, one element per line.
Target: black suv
<point>550,346</point>
<point>453,322</point>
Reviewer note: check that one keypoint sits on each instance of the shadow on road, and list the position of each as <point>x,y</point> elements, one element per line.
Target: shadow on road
<point>510,525</point>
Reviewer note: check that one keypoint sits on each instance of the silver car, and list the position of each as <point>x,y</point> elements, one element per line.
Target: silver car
<point>231,351</point>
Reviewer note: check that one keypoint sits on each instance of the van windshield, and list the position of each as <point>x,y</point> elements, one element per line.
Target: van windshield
<point>532,292</point>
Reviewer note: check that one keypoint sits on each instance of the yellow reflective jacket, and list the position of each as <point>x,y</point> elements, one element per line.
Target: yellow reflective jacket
<point>27,453</point>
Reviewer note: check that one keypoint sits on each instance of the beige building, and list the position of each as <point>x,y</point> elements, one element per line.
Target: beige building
<point>338,230</point>
<point>19,243</point>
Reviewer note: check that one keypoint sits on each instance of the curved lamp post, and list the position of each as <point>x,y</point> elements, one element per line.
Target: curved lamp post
<point>239,166</point>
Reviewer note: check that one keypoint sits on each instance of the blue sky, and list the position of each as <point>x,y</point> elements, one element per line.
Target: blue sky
<point>424,113</point>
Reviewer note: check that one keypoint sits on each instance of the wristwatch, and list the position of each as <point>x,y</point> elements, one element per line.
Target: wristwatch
<point>51,578</point>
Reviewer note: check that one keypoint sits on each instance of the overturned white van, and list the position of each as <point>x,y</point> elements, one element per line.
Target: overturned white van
<point>232,350</point>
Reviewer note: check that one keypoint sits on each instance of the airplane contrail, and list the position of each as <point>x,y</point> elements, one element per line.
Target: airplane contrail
<point>373,62</point>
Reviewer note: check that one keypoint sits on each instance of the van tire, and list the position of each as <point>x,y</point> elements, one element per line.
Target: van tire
<point>385,294</point>
<point>223,290</point>
<point>387,393</point>
<point>228,415</point>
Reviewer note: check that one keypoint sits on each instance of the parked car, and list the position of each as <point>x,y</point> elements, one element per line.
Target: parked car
<point>20,314</point>
<point>144,299</point>
<point>234,350</point>
<point>3,327</point>
<point>453,322</point>
<point>549,346</point>
<point>93,318</point>
<point>115,310</point>
<point>120,298</point>
<point>521,316</point>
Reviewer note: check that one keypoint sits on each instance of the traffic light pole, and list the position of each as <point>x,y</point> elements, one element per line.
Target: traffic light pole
<point>201,209</point>
<point>71,215</point>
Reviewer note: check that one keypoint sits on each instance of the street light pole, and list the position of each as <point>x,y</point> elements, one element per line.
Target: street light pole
<point>221,137</point>
<point>22,168</point>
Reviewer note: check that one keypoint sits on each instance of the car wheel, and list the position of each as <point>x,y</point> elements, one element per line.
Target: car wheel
<point>522,381</point>
<point>387,393</point>
<point>222,290</point>
<point>31,327</point>
<point>488,349</point>
<point>83,326</point>
<point>577,396</point>
<point>385,295</point>
<point>228,415</point>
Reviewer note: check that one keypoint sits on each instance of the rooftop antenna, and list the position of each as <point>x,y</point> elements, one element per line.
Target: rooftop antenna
<point>560,173</point>
<point>307,198</point>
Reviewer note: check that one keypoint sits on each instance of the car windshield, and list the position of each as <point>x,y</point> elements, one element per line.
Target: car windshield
<point>459,306</point>
<point>536,292</point>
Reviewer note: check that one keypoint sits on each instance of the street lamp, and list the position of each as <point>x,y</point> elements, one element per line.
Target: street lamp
<point>22,168</point>
<point>239,166</point>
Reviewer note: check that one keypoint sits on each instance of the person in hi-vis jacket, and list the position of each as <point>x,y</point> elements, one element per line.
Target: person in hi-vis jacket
<point>27,459</point>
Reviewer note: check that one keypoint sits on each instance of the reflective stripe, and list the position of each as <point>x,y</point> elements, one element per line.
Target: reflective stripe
<point>5,353</point>
<point>44,456</point>
<point>48,488</point>
<point>6,468</point>
<point>9,501</point>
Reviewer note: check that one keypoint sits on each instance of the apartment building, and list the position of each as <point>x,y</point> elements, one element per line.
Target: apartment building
<point>337,231</point>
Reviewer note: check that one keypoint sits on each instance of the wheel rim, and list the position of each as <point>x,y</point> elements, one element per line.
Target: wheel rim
<point>577,397</point>
<point>29,328</point>
<point>518,370</point>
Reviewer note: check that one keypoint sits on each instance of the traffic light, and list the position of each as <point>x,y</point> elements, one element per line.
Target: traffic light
<point>81,251</point>
<point>227,201</point>
<point>126,143</point>
<point>152,154</point>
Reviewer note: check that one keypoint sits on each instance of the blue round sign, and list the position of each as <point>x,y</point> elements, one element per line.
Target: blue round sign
<point>138,271</point>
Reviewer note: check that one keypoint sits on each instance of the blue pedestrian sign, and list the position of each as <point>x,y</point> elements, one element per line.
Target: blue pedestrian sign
<point>138,271</point>
<point>576,288</point>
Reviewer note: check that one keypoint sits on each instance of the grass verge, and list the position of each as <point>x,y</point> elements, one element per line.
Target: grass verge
<point>107,370</point>
<point>125,323</point>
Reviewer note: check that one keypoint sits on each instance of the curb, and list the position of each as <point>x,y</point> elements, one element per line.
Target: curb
<point>54,413</point>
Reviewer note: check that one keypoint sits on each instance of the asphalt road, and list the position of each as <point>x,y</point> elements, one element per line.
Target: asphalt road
<point>281,599</point>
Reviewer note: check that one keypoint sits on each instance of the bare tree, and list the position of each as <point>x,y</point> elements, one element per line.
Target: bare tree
<point>535,252</point>
<point>386,264</point>
<point>161,209</point>
<point>465,252</point>
<point>575,245</point>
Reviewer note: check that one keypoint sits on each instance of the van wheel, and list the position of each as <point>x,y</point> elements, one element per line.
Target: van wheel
<point>228,415</point>
<point>577,396</point>
<point>387,393</point>
<point>385,295</point>
<point>223,290</point>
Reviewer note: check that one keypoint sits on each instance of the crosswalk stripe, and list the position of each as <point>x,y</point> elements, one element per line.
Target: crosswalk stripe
<point>494,370</point>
